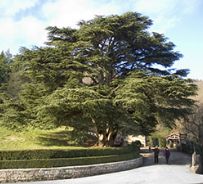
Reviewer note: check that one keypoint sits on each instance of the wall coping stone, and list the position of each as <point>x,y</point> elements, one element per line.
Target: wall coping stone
<point>37,174</point>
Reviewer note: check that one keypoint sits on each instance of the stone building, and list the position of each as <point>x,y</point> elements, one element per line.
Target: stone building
<point>140,138</point>
<point>175,139</point>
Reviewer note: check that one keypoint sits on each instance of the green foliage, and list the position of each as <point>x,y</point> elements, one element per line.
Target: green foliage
<point>115,45</point>
<point>101,79</point>
<point>153,99</point>
<point>162,142</point>
<point>61,162</point>
<point>84,109</point>
<point>136,144</point>
<point>153,141</point>
<point>158,137</point>
<point>62,153</point>
<point>190,146</point>
<point>64,157</point>
<point>13,114</point>
<point>157,141</point>
<point>4,67</point>
<point>48,66</point>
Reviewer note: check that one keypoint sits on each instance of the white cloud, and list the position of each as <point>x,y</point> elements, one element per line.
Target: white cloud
<point>64,13</point>
<point>30,30</point>
<point>27,32</point>
<point>11,7</point>
<point>166,14</point>
<point>166,6</point>
<point>24,32</point>
<point>162,23</point>
<point>190,6</point>
<point>155,6</point>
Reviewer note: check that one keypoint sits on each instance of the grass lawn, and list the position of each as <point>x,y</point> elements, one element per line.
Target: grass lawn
<point>60,139</point>
<point>35,139</point>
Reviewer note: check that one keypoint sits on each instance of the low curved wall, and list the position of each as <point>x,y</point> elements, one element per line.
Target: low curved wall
<point>13,175</point>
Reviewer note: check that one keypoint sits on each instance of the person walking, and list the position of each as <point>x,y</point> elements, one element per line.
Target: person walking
<point>156,155</point>
<point>167,154</point>
<point>150,149</point>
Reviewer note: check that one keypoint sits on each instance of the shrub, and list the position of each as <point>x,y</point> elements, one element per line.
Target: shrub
<point>61,162</point>
<point>59,153</point>
<point>187,147</point>
<point>190,146</point>
<point>162,142</point>
<point>136,145</point>
<point>157,141</point>
<point>154,141</point>
<point>63,153</point>
<point>66,157</point>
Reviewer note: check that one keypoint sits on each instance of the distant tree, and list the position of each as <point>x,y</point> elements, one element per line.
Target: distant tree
<point>193,125</point>
<point>5,59</point>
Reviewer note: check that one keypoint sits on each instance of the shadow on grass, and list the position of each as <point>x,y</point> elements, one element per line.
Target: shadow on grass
<point>61,138</point>
<point>66,138</point>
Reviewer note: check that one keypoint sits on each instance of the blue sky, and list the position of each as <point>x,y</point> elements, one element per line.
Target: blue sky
<point>23,22</point>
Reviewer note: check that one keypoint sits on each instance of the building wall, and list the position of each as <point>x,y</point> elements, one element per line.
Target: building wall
<point>140,138</point>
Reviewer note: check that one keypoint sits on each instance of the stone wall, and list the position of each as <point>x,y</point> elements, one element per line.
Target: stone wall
<point>13,175</point>
<point>196,166</point>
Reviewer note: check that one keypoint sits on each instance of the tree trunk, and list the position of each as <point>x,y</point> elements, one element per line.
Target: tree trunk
<point>106,138</point>
<point>100,140</point>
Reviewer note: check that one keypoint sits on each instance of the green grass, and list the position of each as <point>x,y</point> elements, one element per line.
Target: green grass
<point>36,148</point>
<point>35,139</point>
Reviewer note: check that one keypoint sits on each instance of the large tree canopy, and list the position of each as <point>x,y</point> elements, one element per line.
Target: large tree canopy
<point>116,45</point>
<point>102,78</point>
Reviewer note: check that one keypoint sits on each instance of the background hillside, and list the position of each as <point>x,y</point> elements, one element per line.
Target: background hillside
<point>199,97</point>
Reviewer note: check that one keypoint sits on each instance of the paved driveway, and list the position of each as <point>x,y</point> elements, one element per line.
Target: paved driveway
<point>177,172</point>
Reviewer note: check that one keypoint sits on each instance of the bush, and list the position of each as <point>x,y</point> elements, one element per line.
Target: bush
<point>136,145</point>
<point>58,157</point>
<point>190,146</point>
<point>157,141</point>
<point>153,141</point>
<point>59,153</point>
<point>162,142</point>
<point>61,162</point>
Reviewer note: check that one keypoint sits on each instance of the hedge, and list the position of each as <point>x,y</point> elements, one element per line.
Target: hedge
<point>61,162</point>
<point>59,153</point>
